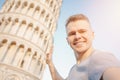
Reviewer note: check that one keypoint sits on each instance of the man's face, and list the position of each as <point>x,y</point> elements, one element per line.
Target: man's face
<point>80,35</point>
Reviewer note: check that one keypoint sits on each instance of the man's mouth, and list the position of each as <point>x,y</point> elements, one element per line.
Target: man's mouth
<point>79,43</point>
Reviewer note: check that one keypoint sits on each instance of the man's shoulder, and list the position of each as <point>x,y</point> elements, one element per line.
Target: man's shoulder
<point>102,54</point>
<point>100,57</point>
<point>99,62</point>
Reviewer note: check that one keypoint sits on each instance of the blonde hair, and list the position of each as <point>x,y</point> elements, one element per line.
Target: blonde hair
<point>75,18</point>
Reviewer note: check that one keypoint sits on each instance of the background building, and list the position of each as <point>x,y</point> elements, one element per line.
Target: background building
<point>26,34</point>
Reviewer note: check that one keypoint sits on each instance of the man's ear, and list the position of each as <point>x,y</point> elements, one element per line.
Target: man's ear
<point>67,40</point>
<point>93,34</point>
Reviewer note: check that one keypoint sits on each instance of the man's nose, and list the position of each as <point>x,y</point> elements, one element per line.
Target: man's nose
<point>77,35</point>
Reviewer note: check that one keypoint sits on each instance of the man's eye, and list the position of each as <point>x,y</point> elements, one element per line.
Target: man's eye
<point>82,31</point>
<point>72,33</point>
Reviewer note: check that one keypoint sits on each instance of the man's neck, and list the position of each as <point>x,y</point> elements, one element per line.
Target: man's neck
<point>84,55</point>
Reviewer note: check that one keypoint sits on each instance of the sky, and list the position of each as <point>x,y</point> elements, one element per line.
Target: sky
<point>104,16</point>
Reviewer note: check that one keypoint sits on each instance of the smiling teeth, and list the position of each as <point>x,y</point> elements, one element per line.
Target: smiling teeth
<point>78,43</point>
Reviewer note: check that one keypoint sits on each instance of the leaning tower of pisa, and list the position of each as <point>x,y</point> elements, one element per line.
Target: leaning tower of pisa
<point>26,34</point>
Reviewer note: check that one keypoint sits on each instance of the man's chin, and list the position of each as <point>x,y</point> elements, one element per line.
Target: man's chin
<point>80,50</point>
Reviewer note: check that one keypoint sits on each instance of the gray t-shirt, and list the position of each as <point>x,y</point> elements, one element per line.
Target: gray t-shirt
<point>94,66</point>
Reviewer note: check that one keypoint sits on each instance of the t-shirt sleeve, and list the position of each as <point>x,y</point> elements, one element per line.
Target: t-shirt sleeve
<point>99,62</point>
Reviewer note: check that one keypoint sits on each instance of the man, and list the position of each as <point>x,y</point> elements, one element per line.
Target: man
<point>91,64</point>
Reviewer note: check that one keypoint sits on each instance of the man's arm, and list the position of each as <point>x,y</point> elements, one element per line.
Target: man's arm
<point>55,75</point>
<point>112,74</point>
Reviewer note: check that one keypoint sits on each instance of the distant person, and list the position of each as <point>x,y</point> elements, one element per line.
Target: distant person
<point>91,64</point>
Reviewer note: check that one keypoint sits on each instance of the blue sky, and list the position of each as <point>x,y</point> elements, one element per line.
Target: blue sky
<point>104,16</point>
